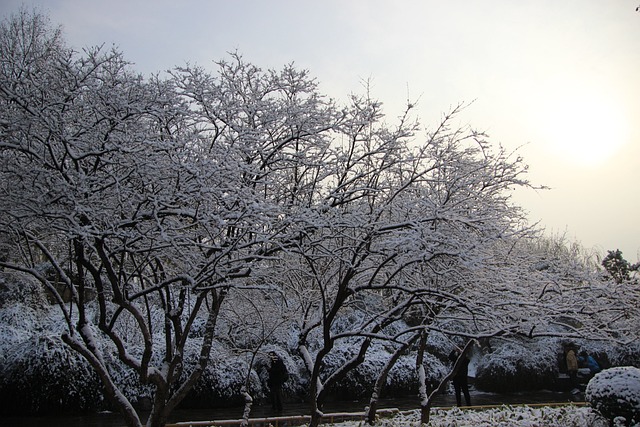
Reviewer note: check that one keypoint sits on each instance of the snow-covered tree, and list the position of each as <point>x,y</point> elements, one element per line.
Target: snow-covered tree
<point>145,206</point>
<point>94,201</point>
<point>401,220</point>
<point>619,268</point>
<point>141,200</point>
<point>434,235</point>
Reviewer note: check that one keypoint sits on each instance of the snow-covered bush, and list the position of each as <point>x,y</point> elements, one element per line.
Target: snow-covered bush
<point>222,381</point>
<point>38,372</point>
<point>514,366</point>
<point>441,345</point>
<point>402,379</point>
<point>605,353</point>
<point>297,385</point>
<point>17,324</point>
<point>220,384</point>
<point>42,375</point>
<point>128,380</point>
<point>22,303</point>
<point>435,370</point>
<point>626,355</point>
<point>358,383</point>
<point>21,288</point>
<point>615,393</point>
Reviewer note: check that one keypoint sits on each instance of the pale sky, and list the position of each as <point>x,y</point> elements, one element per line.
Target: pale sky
<point>559,79</point>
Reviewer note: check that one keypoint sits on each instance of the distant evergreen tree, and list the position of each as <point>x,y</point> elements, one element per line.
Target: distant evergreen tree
<point>619,268</point>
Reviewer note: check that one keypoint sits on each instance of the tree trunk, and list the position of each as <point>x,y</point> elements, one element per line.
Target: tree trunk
<point>158,415</point>
<point>248,399</point>
<point>316,416</point>
<point>382,379</point>
<point>425,410</point>
<point>112,393</point>
<point>248,402</point>
<point>316,412</point>
<point>315,382</point>
<point>422,379</point>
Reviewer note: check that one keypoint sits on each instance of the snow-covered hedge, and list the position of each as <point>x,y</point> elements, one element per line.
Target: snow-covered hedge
<point>515,366</point>
<point>21,288</point>
<point>615,393</point>
<point>38,372</point>
<point>402,379</point>
<point>359,382</point>
<point>626,355</point>
<point>42,375</point>
<point>221,383</point>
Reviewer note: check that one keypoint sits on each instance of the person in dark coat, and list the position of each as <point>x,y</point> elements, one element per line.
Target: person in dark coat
<point>460,379</point>
<point>278,375</point>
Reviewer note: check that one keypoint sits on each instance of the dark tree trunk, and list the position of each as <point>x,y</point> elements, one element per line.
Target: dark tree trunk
<point>425,410</point>
<point>382,379</point>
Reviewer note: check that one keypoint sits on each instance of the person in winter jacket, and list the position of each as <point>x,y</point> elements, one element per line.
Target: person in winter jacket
<point>587,360</point>
<point>278,375</point>
<point>572,366</point>
<point>460,380</point>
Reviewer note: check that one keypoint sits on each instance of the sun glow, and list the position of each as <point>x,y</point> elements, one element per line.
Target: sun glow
<point>584,130</point>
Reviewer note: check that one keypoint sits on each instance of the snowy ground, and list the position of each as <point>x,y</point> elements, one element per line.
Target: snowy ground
<point>568,416</point>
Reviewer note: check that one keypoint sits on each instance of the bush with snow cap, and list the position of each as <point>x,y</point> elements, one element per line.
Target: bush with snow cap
<point>615,393</point>
<point>518,365</point>
<point>43,375</point>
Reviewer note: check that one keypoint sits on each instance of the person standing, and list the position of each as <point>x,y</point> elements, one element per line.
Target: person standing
<point>278,375</point>
<point>460,379</point>
<point>572,367</point>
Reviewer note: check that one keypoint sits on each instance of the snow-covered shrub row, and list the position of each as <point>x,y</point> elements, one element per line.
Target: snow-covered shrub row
<point>615,393</point>
<point>32,353</point>
<point>358,383</point>
<point>38,371</point>
<point>568,416</point>
<point>534,364</point>
<point>42,374</point>
<point>16,287</point>
<point>22,303</point>
<point>222,380</point>
<point>364,374</point>
<point>296,388</point>
<point>440,345</point>
<point>17,323</point>
<point>519,365</point>
<point>625,355</point>
<point>402,379</point>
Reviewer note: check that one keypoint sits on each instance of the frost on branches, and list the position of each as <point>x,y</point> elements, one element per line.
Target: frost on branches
<point>163,216</point>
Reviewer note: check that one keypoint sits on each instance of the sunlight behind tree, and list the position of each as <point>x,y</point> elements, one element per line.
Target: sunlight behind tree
<point>585,128</point>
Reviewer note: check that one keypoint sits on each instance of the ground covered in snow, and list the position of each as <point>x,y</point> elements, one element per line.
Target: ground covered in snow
<point>566,416</point>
